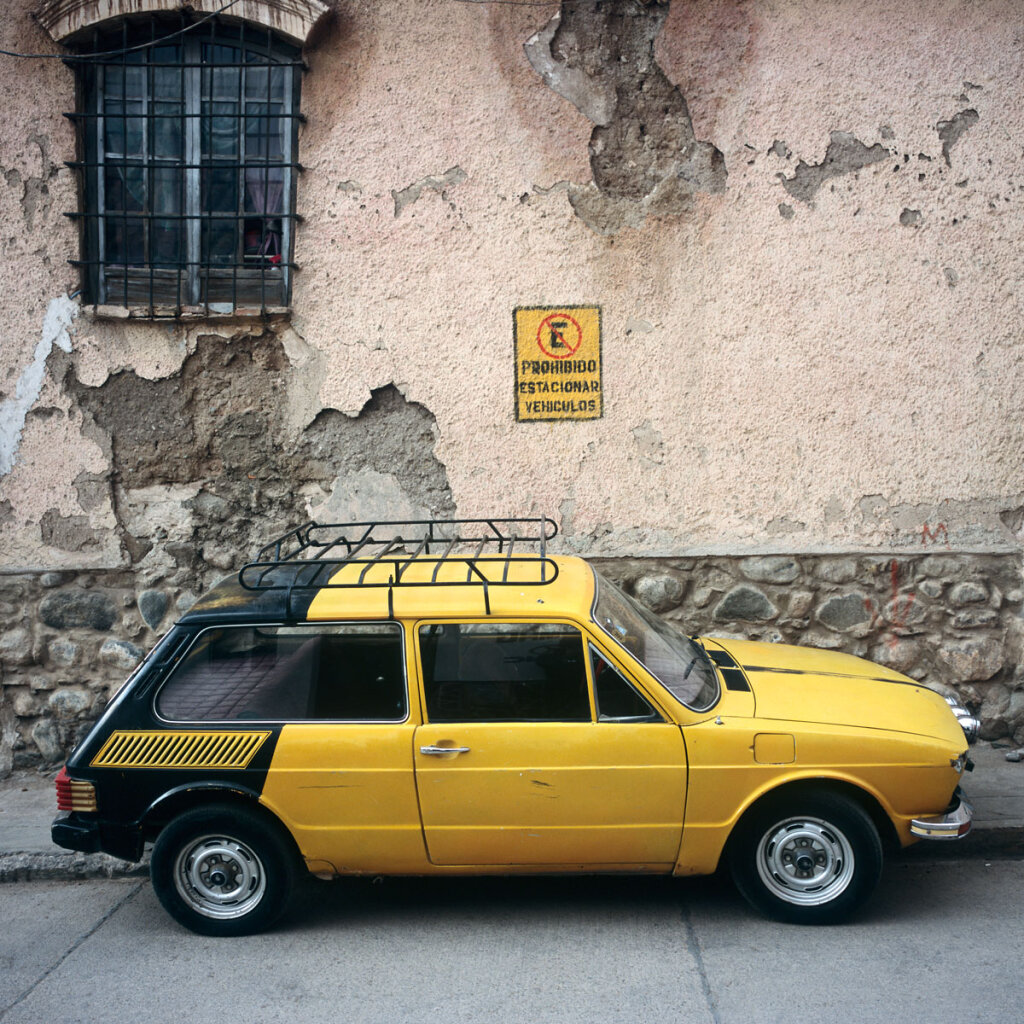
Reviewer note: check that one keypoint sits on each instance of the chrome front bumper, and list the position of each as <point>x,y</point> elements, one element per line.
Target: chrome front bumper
<point>954,824</point>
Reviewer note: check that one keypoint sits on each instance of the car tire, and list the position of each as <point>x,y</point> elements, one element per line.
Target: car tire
<point>808,859</point>
<point>223,870</point>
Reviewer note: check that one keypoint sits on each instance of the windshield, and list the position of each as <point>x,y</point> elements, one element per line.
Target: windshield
<point>678,663</point>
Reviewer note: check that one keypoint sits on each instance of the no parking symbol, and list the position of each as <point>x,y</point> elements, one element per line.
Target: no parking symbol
<point>558,363</point>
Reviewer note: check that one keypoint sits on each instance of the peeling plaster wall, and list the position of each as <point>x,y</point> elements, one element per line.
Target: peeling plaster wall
<point>863,356</point>
<point>828,291</point>
<point>801,222</point>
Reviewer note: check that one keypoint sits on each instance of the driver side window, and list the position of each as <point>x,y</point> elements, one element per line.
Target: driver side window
<point>504,672</point>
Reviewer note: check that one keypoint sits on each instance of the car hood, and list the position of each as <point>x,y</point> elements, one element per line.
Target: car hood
<point>804,684</point>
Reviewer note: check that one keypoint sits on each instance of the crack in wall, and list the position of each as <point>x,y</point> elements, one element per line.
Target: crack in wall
<point>644,155</point>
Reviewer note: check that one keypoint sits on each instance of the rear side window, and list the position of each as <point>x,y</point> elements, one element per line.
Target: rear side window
<point>504,672</point>
<point>348,672</point>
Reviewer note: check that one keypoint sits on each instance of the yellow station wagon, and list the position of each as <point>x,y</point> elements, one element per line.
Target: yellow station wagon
<point>447,697</point>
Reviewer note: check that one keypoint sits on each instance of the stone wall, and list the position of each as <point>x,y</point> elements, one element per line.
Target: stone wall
<point>67,641</point>
<point>952,621</point>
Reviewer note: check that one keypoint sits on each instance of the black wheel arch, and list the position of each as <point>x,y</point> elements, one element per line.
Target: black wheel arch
<point>182,799</point>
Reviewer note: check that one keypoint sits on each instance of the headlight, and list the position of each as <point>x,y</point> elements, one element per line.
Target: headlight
<point>968,722</point>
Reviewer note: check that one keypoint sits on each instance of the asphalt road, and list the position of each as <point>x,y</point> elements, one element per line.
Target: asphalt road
<point>941,941</point>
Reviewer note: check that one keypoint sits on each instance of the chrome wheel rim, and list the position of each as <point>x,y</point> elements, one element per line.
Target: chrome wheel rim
<point>805,861</point>
<point>219,877</point>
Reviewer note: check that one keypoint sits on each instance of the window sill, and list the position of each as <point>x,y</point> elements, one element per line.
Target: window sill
<point>106,312</point>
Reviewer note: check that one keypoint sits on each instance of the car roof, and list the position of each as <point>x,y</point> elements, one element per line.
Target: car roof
<point>488,586</point>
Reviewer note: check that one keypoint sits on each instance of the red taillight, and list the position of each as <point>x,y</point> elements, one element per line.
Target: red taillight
<point>63,784</point>
<point>73,795</point>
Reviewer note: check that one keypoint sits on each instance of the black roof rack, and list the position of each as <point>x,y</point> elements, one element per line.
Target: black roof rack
<point>308,556</point>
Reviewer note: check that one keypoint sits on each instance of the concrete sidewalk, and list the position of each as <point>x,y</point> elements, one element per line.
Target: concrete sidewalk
<point>28,804</point>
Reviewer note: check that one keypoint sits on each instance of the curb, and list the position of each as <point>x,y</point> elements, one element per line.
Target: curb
<point>67,867</point>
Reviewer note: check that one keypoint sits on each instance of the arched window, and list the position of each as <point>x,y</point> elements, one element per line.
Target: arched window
<point>188,159</point>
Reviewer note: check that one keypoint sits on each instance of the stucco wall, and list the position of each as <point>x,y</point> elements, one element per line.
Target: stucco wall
<point>806,258</point>
<point>809,358</point>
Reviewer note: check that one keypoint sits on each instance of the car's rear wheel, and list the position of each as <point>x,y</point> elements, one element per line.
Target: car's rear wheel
<point>222,870</point>
<point>811,858</point>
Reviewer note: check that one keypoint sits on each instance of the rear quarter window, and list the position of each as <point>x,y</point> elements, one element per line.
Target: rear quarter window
<point>346,672</point>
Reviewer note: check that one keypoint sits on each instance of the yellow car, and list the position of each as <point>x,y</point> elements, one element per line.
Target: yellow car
<point>448,697</point>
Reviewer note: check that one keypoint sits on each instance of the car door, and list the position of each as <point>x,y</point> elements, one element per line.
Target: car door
<point>516,765</point>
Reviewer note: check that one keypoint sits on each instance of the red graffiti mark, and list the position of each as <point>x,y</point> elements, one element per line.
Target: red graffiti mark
<point>899,608</point>
<point>930,536</point>
<point>900,612</point>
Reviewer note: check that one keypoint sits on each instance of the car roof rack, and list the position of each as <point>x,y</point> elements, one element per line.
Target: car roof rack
<point>309,556</point>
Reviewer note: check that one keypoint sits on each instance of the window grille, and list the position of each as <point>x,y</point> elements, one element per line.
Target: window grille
<point>188,166</point>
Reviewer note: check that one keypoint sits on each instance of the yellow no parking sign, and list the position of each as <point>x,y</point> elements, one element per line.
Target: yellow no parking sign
<point>558,363</point>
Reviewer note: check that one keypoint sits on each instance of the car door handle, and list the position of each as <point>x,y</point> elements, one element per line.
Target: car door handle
<point>437,751</point>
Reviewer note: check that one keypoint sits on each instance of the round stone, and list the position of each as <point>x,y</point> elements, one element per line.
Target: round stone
<point>68,702</point>
<point>836,570</point>
<point>968,592</point>
<point>121,654</point>
<point>67,609</point>
<point>971,618</point>
<point>25,705</point>
<point>901,655</point>
<point>46,737</point>
<point>747,604</point>
<point>824,641</point>
<point>63,653</point>
<point>972,660</point>
<point>940,565</point>
<point>660,592</point>
<point>153,607</point>
<point>845,611</point>
<point>770,569</point>
<point>218,557</point>
<point>16,646</point>
<point>904,611</point>
<point>996,702</point>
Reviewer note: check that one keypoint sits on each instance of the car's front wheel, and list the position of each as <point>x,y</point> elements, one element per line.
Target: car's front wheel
<point>222,870</point>
<point>812,858</point>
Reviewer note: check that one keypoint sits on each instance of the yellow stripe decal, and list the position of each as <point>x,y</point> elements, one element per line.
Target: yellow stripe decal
<point>159,749</point>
